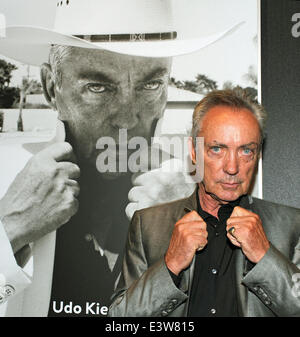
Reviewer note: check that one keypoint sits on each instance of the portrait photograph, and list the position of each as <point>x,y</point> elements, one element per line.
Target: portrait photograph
<point>118,121</point>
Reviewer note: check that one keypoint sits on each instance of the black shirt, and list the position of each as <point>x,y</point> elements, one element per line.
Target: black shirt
<point>80,274</point>
<point>213,291</point>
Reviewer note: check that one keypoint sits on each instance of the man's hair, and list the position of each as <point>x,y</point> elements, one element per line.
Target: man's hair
<point>236,99</point>
<point>56,55</point>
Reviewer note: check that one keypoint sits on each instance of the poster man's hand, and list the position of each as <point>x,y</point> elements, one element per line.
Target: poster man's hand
<point>163,181</point>
<point>42,197</point>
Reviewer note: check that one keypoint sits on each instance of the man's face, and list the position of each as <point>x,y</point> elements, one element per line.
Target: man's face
<point>231,151</point>
<point>102,92</point>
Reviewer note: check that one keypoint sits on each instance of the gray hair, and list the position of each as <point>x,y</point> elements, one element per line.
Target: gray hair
<point>56,56</point>
<point>235,98</point>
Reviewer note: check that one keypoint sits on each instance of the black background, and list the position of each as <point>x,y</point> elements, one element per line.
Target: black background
<point>280,64</point>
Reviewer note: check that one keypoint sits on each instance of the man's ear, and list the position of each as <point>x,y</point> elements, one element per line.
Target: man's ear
<point>192,151</point>
<point>48,83</point>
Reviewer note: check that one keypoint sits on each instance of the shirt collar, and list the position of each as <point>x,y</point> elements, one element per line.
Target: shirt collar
<point>224,211</point>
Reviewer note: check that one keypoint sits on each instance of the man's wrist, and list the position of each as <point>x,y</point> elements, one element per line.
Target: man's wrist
<point>261,254</point>
<point>170,265</point>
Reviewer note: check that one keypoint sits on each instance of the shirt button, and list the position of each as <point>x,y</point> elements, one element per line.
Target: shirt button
<point>217,233</point>
<point>9,290</point>
<point>170,307</point>
<point>214,271</point>
<point>260,291</point>
<point>213,311</point>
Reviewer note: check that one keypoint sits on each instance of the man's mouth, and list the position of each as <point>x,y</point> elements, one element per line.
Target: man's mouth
<point>230,186</point>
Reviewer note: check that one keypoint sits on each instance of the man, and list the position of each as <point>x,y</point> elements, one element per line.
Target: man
<point>99,86</point>
<point>82,93</point>
<point>218,252</point>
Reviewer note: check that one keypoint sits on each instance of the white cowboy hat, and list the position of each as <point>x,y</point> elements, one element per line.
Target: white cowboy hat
<point>134,27</point>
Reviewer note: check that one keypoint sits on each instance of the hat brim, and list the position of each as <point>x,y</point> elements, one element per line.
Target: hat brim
<point>31,45</point>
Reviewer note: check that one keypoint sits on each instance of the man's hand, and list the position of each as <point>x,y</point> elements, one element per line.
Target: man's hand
<point>248,233</point>
<point>162,180</point>
<point>189,235</point>
<point>156,187</point>
<point>42,197</point>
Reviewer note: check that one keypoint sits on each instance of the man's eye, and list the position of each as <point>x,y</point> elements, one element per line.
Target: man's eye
<point>96,88</point>
<point>216,149</point>
<point>247,151</point>
<point>152,85</point>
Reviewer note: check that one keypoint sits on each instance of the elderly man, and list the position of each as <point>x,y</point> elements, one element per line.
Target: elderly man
<point>102,76</point>
<point>218,252</point>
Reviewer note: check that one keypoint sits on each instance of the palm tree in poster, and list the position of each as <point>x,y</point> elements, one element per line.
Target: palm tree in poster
<point>28,86</point>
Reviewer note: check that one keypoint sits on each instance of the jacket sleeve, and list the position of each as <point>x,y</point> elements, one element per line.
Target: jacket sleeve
<point>12,277</point>
<point>143,290</point>
<point>276,281</point>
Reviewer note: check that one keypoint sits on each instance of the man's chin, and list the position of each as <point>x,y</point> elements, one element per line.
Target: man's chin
<point>224,193</point>
<point>225,196</point>
<point>229,196</point>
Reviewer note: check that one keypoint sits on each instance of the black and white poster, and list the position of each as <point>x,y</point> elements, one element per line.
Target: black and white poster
<point>104,77</point>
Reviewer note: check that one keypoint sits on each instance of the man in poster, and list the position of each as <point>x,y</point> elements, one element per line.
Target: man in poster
<point>100,79</point>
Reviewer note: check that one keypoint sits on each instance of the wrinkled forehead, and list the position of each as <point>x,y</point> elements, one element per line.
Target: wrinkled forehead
<point>230,125</point>
<point>89,59</point>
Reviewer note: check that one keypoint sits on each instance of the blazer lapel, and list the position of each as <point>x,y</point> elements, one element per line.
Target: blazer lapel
<point>187,278</point>
<point>240,261</point>
<point>242,293</point>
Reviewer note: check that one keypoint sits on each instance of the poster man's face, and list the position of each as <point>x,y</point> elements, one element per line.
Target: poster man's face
<point>231,150</point>
<point>102,92</point>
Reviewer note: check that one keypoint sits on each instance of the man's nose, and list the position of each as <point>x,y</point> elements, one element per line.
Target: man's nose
<point>126,111</point>
<point>231,164</point>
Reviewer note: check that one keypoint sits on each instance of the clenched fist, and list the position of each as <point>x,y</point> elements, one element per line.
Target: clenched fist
<point>189,235</point>
<point>42,197</point>
<point>163,180</point>
<point>248,233</point>
<point>157,187</point>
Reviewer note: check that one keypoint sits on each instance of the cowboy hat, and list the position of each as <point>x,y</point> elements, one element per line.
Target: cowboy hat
<point>134,27</point>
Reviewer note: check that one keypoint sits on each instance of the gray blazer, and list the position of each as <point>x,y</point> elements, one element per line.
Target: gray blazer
<point>146,288</point>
